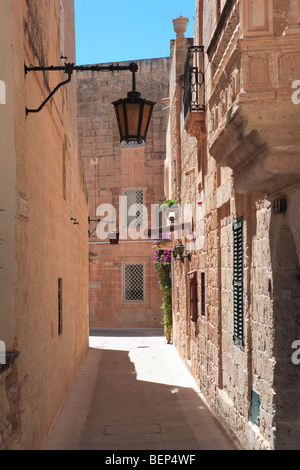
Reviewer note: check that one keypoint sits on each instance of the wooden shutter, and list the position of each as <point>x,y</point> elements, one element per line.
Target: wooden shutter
<point>194,298</point>
<point>238,283</point>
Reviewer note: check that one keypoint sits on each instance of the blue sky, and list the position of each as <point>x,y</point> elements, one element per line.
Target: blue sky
<point>122,30</point>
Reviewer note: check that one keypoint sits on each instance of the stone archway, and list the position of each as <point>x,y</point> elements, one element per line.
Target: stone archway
<point>286,269</point>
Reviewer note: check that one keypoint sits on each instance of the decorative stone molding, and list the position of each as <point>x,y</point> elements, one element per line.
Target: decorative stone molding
<point>252,124</point>
<point>256,17</point>
<point>195,125</point>
<point>293,18</point>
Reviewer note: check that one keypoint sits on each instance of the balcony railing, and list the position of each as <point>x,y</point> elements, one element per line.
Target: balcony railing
<point>194,83</point>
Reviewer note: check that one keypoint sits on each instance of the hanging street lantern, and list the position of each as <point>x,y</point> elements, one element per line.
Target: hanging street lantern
<point>114,238</point>
<point>133,115</point>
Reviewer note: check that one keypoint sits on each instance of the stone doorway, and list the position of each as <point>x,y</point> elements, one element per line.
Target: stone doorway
<point>286,269</point>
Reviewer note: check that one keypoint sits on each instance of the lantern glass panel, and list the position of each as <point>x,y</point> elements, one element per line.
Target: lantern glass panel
<point>180,249</point>
<point>146,118</point>
<point>133,115</point>
<point>120,111</point>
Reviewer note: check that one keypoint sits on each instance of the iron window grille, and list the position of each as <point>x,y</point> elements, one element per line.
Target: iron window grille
<point>134,204</point>
<point>194,83</point>
<point>133,282</point>
<point>238,283</point>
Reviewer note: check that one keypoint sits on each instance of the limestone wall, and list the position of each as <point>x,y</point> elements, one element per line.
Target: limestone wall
<point>233,377</point>
<point>110,169</point>
<point>44,189</point>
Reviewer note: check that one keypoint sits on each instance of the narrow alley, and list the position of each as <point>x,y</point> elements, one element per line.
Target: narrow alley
<point>134,393</point>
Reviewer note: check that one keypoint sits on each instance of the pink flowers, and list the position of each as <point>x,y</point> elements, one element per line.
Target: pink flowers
<point>162,260</point>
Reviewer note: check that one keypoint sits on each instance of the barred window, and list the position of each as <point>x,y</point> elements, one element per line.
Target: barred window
<point>134,210</point>
<point>194,83</point>
<point>133,282</point>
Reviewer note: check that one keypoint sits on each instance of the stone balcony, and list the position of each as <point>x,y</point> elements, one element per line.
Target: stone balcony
<point>253,124</point>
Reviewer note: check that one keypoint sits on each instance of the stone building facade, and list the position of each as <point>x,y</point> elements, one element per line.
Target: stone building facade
<point>129,179</point>
<point>43,254</point>
<point>235,163</point>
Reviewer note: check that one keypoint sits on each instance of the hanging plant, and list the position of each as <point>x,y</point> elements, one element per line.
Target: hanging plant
<point>168,203</point>
<point>162,265</point>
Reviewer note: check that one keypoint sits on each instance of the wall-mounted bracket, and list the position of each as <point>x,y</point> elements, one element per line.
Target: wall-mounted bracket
<point>98,221</point>
<point>69,68</point>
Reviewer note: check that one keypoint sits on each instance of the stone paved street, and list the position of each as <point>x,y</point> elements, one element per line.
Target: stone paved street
<point>134,393</point>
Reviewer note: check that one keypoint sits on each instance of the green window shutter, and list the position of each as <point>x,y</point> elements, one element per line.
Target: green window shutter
<point>238,283</point>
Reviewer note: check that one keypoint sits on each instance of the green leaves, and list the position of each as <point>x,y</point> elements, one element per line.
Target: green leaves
<point>162,264</point>
<point>168,203</point>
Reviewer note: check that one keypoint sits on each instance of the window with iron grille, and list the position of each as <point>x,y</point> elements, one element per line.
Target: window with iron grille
<point>193,96</point>
<point>133,282</point>
<point>133,209</point>
<point>238,283</point>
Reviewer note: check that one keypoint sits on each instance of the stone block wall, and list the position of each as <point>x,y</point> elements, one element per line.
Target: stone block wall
<point>110,169</point>
<point>42,190</point>
<point>259,375</point>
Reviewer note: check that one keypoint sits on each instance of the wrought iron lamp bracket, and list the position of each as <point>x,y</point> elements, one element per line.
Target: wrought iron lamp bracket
<point>97,221</point>
<point>69,68</point>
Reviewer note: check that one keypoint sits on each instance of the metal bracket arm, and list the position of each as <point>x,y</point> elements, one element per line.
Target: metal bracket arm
<point>69,69</point>
<point>98,222</point>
